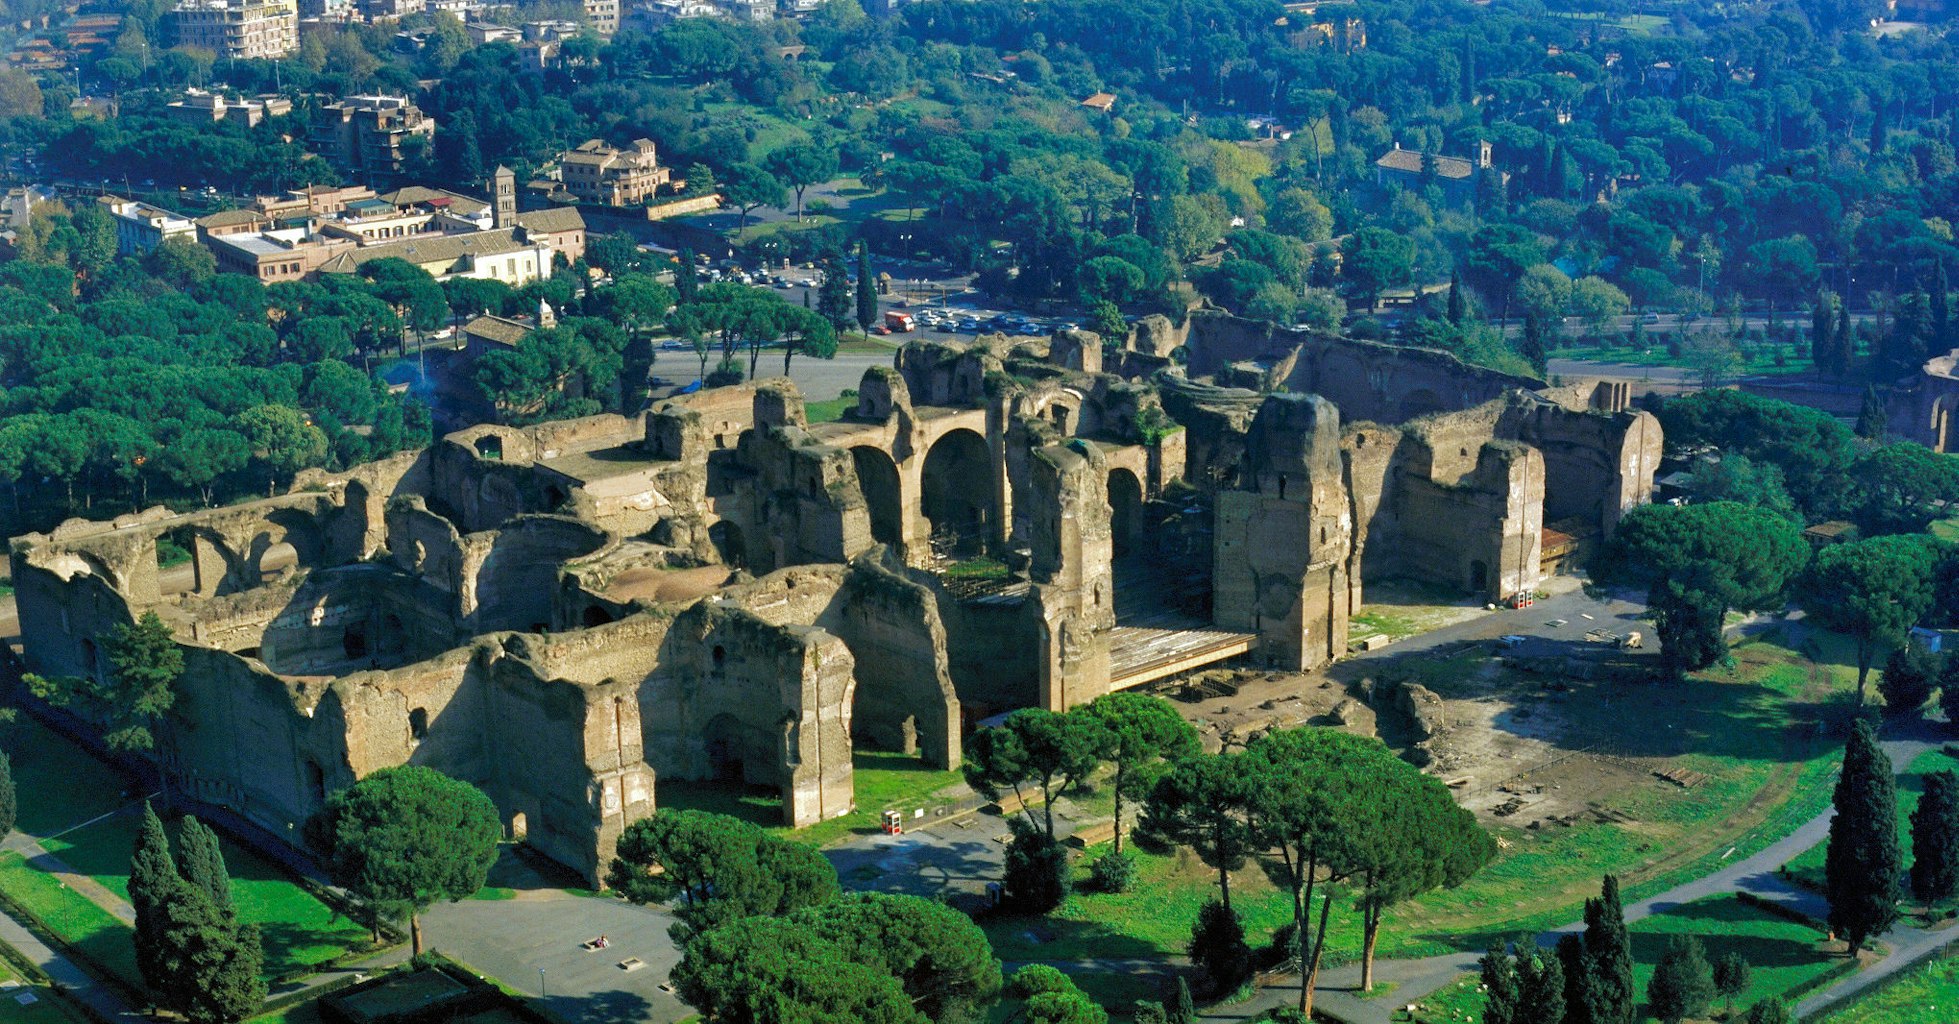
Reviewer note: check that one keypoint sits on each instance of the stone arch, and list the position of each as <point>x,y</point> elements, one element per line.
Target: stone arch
<point>956,493</point>
<point>489,446</point>
<point>877,476</point>
<point>1125,512</point>
<point>728,543</point>
<point>277,560</point>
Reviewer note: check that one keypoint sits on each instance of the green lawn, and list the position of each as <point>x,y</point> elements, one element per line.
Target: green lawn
<point>47,1008</point>
<point>62,786</point>
<point>72,918</point>
<point>1750,730</point>
<point>883,780</point>
<point>1757,360</point>
<point>1807,867</point>
<point>1782,955</point>
<point>1929,991</point>
<point>829,411</point>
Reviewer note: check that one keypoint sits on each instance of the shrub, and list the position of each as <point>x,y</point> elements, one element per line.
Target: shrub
<point>1217,947</point>
<point>1112,872</point>
<point>1036,870</point>
<point>1910,674</point>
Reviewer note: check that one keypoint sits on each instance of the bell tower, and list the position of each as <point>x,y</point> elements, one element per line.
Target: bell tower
<point>503,193</point>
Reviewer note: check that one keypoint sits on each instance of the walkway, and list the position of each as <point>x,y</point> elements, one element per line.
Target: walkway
<point>37,857</point>
<point>75,983</point>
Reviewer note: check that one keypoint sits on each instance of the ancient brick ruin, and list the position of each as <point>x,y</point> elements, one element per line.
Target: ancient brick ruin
<point>720,590</point>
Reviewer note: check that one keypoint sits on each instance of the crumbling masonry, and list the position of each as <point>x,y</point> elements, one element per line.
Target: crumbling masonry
<point>721,591</point>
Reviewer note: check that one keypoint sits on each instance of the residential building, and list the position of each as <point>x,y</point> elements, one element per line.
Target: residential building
<point>238,29</point>
<point>286,254</point>
<point>141,227</point>
<point>305,207</point>
<point>231,222</point>
<point>199,105</point>
<point>509,255</point>
<point>368,135</point>
<point>608,176</point>
<point>604,16</point>
<point>390,10</point>
<point>560,229</point>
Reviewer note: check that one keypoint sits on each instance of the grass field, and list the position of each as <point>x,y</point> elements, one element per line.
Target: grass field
<point>1807,867</point>
<point>61,786</point>
<point>72,918</point>
<point>1781,955</point>
<point>46,1007</point>
<point>1750,730</point>
<point>1929,991</point>
<point>1757,360</point>
<point>883,780</point>
<point>829,411</point>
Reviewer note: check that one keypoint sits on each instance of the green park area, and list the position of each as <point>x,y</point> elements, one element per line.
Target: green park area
<point>1807,867</point>
<point>883,780</point>
<point>1785,958</point>
<point>1753,730</point>
<point>26,1002</point>
<point>90,815</point>
<point>1929,991</point>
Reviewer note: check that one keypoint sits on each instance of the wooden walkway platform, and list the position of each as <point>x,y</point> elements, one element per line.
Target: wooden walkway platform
<point>1142,654</point>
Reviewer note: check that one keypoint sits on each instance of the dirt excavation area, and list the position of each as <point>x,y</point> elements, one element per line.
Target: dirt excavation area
<point>1542,732</point>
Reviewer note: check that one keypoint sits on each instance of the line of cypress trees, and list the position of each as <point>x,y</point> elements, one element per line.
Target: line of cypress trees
<point>196,956</point>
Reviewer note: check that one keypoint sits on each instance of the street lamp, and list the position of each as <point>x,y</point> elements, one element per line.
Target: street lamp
<point>540,983</point>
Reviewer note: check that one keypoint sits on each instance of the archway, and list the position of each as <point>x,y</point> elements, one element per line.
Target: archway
<point>490,446</point>
<point>1479,576</point>
<point>877,475</point>
<point>278,560</point>
<point>1125,512</point>
<point>727,540</point>
<point>956,492</point>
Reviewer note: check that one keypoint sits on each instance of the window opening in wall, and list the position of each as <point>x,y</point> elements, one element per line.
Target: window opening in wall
<point>418,724</point>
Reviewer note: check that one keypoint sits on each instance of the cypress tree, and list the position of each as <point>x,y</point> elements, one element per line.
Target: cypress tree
<point>1540,985</point>
<point>202,862</point>
<point>1871,417</point>
<point>1822,325</point>
<point>1731,977</point>
<point>1608,946</point>
<point>9,801</point>
<point>1579,986</point>
<point>1940,339</point>
<point>686,278</point>
<point>1845,341</point>
<point>1458,307</point>
<point>866,289</point>
<point>1182,1009</point>
<point>1532,346</point>
<point>1862,865</point>
<point>233,987</point>
<point>1935,839</point>
<point>153,879</point>
<point>1502,989</point>
<point>1682,984</point>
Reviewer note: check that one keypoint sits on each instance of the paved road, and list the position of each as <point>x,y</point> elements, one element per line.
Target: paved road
<point>513,939</point>
<point>73,981</point>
